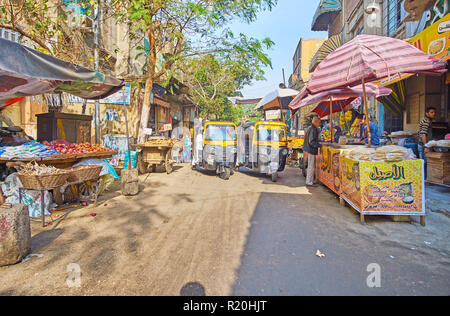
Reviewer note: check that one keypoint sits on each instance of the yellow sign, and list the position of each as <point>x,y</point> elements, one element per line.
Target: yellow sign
<point>378,187</point>
<point>435,40</point>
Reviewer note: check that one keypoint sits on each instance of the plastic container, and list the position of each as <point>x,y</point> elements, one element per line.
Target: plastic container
<point>134,158</point>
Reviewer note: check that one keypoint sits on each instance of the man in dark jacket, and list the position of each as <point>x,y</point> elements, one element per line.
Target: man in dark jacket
<point>311,146</point>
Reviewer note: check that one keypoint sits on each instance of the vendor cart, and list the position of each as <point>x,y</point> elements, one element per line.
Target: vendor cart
<point>83,190</point>
<point>154,155</point>
<point>296,159</point>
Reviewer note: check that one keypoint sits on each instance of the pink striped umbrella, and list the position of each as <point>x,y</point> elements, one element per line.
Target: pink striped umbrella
<point>336,96</point>
<point>369,58</point>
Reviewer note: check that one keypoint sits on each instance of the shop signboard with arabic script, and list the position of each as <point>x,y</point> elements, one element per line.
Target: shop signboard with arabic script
<point>384,188</point>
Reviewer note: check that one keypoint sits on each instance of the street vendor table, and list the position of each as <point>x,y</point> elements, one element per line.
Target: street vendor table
<point>42,192</point>
<point>90,187</point>
<point>153,155</point>
<point>61,161</point>
<point>296,159</point>
<point>374,187</point>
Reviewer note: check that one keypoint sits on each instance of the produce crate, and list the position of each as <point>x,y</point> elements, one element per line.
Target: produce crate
<point>49,181</point>
<point>84,173</point>
<point>438,167</point>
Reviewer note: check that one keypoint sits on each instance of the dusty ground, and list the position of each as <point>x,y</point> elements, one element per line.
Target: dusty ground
<point>193,227</point>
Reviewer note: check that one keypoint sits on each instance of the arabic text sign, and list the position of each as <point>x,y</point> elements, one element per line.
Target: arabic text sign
<point>393,188</point>
<point>328,169</point>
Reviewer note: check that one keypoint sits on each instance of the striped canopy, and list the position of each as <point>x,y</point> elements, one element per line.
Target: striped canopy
<point>279,98</point>
<point>370,57</point>
<point>339,97</point>
<point>395,102</point>
<point>329,46</point>
<point>325,14</point>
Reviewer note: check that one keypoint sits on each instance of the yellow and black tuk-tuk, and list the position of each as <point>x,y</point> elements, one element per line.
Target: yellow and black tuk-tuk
<point>215,147</point>
<point>262,146</point>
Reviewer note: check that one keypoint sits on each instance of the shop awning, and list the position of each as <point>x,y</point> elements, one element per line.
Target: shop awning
<point>26,72</point>
<point>279,98</point>
<point>329,46</point>
<point>371,58</point>
<point>395,102</point>
<point>325,14</point>
<point>433,41</point>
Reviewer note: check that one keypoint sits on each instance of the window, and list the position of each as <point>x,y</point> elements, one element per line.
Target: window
<point>220,133</point>
<point>394,14</point>
<point>9,35</point>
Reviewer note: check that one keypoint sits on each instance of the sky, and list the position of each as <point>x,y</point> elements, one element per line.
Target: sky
<point>289,21</point>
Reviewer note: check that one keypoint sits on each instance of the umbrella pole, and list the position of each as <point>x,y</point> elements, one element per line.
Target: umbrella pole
<point>331,120</point>
<point>366,112</point>
<point>126,126</point>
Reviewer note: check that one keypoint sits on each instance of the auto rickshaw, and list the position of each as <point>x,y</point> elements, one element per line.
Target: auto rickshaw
<point>215,147</point>
<point>262,146</point>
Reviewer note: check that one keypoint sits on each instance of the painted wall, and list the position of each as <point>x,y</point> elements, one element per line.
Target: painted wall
<point>309,49</point>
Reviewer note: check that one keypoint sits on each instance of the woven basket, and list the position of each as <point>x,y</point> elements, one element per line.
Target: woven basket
<point>84,173</point>
<point>43,181</point>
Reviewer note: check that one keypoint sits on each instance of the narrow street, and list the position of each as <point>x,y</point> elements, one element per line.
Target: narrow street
<point>245,236</point>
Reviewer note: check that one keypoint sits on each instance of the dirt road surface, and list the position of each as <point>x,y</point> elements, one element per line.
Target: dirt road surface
<point>230,237</point>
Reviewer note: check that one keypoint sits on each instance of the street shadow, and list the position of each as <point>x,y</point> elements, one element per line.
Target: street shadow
<point>285,177</point>
<point>280,253</point>
<point>181,198</point>
<point>193,289</point>
<point>44,238</point>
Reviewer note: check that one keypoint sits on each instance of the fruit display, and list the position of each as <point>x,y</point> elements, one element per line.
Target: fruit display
<point>326,135</point>
<point>33,169</point>
<point>64,147</point>
<point>91,148</point>
<point>345,119</point>
<point>54,149</point>
<point>354,128</point>
<point>160,142</point>
<point>296,142</point>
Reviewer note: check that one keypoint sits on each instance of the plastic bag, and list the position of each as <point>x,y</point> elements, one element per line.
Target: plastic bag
<point>32,199</point>
<point>134,158</point>
<point>112,171</point>
<point>95,162</point>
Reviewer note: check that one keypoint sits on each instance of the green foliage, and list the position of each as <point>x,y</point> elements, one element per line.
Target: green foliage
<point>46,25</point>
<point>212,80</point>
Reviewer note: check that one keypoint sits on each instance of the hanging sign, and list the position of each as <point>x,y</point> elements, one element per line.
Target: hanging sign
<point>116,98</point>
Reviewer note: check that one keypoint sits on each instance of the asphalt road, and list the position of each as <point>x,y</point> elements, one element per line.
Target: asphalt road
<point>287,230</point>
<point>191,233</point>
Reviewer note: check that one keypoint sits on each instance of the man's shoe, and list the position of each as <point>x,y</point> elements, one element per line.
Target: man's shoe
<point>312,185</point>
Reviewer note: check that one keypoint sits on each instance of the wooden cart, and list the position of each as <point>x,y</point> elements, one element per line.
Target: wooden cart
<point>151,156</point>
<point>85,191</point>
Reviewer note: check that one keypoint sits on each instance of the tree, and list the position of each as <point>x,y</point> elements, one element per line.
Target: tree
<point>179,29</point>
<point>46,24</point>
<point>213,79</point>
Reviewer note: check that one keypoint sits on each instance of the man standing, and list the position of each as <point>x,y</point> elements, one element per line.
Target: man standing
<point>311,146</point>
<point>426,134</point>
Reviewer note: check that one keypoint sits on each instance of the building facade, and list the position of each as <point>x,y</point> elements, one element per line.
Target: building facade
<point>119,57</point>
<point>424,24</point>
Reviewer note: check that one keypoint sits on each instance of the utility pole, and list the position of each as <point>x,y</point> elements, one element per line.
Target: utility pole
<point>96,61</point>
